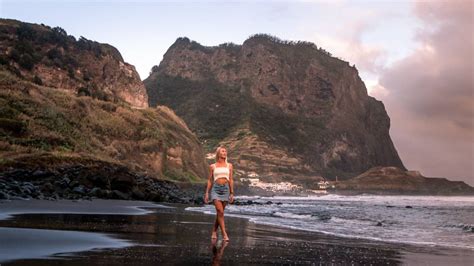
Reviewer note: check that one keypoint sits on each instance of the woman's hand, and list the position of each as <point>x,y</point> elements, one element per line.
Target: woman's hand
<point>206,198</point>
<point>231,198</point>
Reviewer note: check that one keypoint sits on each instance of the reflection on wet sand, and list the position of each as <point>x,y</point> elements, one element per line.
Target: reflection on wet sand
<point>21,243</point>
<point>217,251</point>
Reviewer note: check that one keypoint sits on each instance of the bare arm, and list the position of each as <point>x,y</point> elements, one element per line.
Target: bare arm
<point>209,183</point>
<point>231,182</point>
<point>231,179</point>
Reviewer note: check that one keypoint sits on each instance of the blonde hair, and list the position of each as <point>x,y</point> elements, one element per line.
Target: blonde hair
<point>217,153</point>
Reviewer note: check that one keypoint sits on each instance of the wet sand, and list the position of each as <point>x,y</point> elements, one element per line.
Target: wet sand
<point>98,206</point>
<point>20,243</point>
<point>111,232</point>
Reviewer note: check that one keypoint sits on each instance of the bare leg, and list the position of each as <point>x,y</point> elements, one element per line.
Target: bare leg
<point>214,229</point>
<point>216,223</point>
<point>220,218</point>
<point>224,235</point>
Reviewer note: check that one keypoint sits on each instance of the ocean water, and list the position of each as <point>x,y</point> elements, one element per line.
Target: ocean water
<point>420,220</point>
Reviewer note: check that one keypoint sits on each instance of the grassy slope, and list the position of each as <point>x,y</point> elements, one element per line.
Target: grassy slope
<point>36,120</point>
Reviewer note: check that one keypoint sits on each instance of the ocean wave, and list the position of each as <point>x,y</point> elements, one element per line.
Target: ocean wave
<point>247,197</point>
<point>353,236</point>
<point>365,237</point>
<point>292,215</point>
<point>369,220</point>
<point>353,221</point>
<point>378,199</point>
<point>465,227</point>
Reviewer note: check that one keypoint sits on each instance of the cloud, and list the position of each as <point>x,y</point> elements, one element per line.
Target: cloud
<point>430,93</point>
<point>376,90</point>
<point>346,43</point>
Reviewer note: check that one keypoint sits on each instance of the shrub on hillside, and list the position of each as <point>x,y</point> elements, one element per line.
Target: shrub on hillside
<point>11,126</point>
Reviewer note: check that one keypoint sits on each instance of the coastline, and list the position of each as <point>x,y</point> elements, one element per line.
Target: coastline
<point>168,234</point>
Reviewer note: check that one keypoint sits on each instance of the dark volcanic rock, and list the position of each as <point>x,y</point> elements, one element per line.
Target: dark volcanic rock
<point>138,194</point>
<point>393,180</point>
<point>113,182</point>
<point>120,195</point>
<point>95,192</point>
<point>3,195</point>
<point>79,189</point>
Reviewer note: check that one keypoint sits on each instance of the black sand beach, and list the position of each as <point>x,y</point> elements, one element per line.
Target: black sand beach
<point>112,232</point>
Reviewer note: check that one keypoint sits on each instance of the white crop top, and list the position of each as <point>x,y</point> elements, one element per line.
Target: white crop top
<point>221,172</point>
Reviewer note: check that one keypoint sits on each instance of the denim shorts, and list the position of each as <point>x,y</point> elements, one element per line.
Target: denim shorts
<point>220,192</point>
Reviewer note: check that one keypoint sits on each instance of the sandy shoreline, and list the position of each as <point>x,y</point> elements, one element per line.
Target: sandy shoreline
<point>132,232</point>
<point>97,206</point>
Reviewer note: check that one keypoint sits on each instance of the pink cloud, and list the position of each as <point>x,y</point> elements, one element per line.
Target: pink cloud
<point>430,93</point>
<point>346,43</point>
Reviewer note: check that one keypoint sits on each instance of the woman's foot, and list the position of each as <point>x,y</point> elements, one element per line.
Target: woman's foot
<point>226,238</point>
<point>214,235</point>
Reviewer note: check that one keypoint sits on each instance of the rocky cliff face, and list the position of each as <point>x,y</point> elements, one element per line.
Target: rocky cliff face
<point>49,57</point>
<point>283,108</point>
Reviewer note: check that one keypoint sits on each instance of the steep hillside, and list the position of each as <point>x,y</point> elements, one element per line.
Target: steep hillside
<point>38,121</point>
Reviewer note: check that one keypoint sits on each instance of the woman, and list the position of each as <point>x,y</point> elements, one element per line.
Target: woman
<point>220,179</point>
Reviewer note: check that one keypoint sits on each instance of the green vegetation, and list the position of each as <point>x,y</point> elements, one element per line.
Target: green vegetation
<point>37,80</point>
<point>37,120</point>
<point>11,126</point>
<point>295,132</point>
<point>154,69</point>
<point>212,111</point>
<point>182,176</point>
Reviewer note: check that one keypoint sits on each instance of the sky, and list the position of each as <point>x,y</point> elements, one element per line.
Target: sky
<point>414,56</point>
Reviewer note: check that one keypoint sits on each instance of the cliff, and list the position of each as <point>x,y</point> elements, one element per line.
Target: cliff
<point>286,110</point>
<point>49,57</point>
